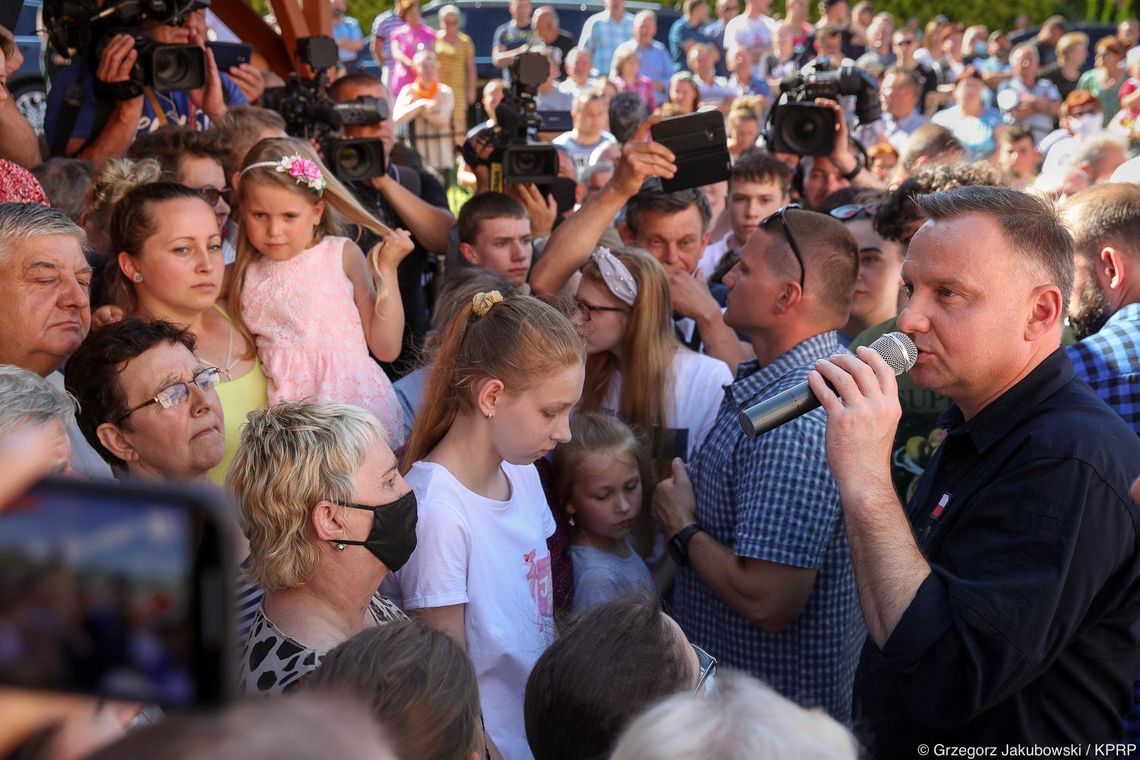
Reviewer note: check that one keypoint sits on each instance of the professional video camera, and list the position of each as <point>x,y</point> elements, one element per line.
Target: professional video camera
<point>797,125</point>
<point>310,113</point>
<point>511,148</point>
<point>83,28</point>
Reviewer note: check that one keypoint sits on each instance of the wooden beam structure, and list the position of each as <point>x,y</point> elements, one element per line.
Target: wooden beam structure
<point>297,18</point>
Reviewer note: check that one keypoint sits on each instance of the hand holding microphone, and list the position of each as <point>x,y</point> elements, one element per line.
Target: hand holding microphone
<point>896,349</point>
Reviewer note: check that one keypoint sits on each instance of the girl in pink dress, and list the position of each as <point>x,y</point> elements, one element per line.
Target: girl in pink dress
<point>314,305</point>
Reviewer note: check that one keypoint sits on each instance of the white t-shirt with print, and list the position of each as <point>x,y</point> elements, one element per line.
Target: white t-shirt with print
<point>753,34</point>
<point>692,395</point>
<point>492,556</point>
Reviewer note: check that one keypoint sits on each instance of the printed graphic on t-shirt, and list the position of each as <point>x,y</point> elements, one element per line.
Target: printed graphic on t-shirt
<point>541,586</point>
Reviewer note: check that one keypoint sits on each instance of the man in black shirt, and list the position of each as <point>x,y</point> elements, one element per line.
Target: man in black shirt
<point>403,197</point>
<point>1002,606</point>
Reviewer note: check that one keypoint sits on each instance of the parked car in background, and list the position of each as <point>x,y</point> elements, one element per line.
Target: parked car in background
<point>480,18</point>
<point>28,85</point>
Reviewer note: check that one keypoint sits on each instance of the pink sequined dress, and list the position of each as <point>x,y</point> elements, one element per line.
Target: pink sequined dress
<point>309,336</point>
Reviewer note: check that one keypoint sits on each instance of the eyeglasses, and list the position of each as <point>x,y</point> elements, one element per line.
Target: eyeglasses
<point>587,310</point>
<point>782,215</point>
<point>211,194</point>
<point>173,395</point>
<point>707,672</point>
<point>855,210</point>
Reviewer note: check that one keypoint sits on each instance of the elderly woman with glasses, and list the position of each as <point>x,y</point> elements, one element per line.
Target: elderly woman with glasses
<point>168,265</point>
<point>147,402</point>
<point>606,668</point>
<point>327,515</point>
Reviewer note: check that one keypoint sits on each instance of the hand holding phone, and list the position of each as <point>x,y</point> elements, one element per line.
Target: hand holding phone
<point>699,142</point>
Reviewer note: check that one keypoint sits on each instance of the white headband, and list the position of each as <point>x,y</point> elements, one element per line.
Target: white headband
<point>616,276</point>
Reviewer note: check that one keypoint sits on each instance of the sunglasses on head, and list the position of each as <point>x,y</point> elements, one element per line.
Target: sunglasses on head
<point>782,214</point>
<point>855,210</point>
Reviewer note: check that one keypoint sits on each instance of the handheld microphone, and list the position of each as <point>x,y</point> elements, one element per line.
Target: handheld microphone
<point>896,348</point>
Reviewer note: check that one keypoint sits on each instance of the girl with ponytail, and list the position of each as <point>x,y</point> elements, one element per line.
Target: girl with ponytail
<point>506,374</point>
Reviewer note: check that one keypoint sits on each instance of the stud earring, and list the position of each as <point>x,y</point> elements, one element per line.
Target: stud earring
<point>340,547</point>
<point>572,523</point>
<point>137,277</point>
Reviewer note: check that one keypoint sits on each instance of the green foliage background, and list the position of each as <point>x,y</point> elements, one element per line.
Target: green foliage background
<point>998,14</point>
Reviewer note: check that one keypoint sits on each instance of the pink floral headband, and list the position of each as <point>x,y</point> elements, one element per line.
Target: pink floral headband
<point>302,170</point>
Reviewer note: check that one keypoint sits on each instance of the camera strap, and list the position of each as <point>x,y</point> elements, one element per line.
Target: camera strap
<point>154,104</point>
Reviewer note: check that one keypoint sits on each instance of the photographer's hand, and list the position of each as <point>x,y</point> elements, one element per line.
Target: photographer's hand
<point>542,210</point>
<point>841,154</point>
<point>641,158</point>
<point>211,97</point>
<point>249,80</point>
<point>115,66</point>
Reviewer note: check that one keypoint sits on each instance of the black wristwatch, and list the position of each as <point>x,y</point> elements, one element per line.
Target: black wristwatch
<point>679,543</point>
<point>851,175</point>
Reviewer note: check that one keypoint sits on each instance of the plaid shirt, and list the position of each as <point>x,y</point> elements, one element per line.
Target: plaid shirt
<point>1109,361</point>
<point>601,35</point>
<point>773,498</point>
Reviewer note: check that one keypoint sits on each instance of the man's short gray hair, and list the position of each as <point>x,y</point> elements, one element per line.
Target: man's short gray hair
<point>1025,48</point>
<point>29,399</point>
<point>1031,225</point>
<point>645,14</point>
<point>20,222</point>
<point>743,719</point>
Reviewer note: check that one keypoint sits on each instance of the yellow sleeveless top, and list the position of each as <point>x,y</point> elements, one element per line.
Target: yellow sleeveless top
<point>239,397</point>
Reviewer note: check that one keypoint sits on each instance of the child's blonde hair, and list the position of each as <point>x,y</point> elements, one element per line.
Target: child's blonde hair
<point>518,339</point>
<point>595,434</point>
<point>341,210</point>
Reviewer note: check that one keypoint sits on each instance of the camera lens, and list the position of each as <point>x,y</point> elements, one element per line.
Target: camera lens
<point>526,162</point>
<point>176,67</point>
<point>170,65</point>
<point>349,159</point>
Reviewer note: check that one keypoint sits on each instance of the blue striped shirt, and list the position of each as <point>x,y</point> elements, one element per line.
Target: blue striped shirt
<point>773,498</point>
<point>601,35</point>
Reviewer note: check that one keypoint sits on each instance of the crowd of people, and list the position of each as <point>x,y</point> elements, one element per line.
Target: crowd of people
<point>484,448</point>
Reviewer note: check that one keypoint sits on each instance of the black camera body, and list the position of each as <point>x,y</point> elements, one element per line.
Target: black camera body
<point>310,113</point>
<point>87,27</point>
<point>510,148</point>
<point>797,125</point>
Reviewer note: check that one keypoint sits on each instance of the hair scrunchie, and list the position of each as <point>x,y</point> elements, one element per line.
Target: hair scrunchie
<point>481,303</point>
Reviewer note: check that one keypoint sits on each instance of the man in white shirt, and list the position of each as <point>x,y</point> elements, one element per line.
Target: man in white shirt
<point>591,119</point>
<point>755,30</point>
<point>899,96</point>
<point>759,185</point>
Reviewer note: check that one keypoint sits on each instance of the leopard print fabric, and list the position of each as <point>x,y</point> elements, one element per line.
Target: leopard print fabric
<point>273,663</point>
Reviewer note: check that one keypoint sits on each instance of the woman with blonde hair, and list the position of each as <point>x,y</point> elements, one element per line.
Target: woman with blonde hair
<point>327,515</point>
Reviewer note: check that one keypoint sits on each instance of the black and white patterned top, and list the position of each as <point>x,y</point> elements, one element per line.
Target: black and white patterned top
<point>272,663</point>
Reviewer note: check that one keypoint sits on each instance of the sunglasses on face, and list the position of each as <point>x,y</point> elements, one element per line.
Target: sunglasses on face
<point>173,395</point>
<point>211,194</point>
<point>855,210</point>
<point>782,215</point>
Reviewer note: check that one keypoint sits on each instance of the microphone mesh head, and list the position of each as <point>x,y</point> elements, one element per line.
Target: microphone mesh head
<point>898,350</point>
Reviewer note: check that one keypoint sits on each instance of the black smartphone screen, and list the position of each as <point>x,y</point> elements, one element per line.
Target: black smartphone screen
<point>700,148</point>
<point>113,591</point>
<point>230,54</point>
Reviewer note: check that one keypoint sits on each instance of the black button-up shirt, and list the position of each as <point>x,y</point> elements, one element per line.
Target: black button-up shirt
<point>1028,628</point>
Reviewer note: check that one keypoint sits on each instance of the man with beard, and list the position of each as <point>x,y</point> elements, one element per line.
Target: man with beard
<point>1105,309</point>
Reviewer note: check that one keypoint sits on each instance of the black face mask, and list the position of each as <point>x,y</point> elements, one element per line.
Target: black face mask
<point>393,536</point>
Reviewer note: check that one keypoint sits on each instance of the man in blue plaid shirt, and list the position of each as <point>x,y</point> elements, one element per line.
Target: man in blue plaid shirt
<point>603,32</point>
<point>765,581</point>
<point>1104,312</point>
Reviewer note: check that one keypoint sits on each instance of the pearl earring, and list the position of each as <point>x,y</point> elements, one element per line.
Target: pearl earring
<point>340,547</point>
